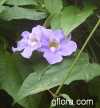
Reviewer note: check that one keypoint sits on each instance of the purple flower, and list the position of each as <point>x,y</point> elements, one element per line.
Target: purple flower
<point>52,43</point>
<point>29,42</point>
<point>55,46</point>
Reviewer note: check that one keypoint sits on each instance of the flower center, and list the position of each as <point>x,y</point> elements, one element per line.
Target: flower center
<point>53,45</point>
<point>32,40</point>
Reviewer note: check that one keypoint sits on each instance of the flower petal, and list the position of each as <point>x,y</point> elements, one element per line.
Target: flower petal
<point>54,35</point>
<point>15,49</point>
<point>25,34</point>
<point>36,47</point>
<point>37,31</point>
<point>43,49</point>
<point>59,34</point>
<point>52,58</point>
<point>27,52</point>
<point>67,48</point>
<point>20,45</point>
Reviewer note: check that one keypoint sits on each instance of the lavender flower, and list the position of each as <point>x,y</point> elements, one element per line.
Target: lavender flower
<point>55,46</point>
<point>52,43</point>
<point>29,42</point>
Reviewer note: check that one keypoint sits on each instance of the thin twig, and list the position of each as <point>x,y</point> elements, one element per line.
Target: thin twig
<point>53,94</point>
<point>47,21</point>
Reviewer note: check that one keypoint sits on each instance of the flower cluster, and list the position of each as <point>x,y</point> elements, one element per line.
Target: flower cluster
<point>52,43</point>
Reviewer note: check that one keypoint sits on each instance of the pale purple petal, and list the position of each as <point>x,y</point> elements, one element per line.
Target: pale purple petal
<point>38,28</point>
<point>29,42</point>
<point>36,47</point>
<point>27,52</point>
<point>20,45</point>
<point>52,58</point>
<point>67,48</point>
<point>37,31</point>
<point>47,32</point>
<point>43,49</point>
<point>25,34</point>
<point>15,49</point>
<point>44,42</point>
<point>55,34</point>
<point>59,34</point>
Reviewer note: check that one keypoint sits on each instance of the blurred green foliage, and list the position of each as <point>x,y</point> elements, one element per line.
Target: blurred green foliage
<point>20,78</point>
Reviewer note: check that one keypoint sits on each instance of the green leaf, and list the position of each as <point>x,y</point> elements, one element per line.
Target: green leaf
<point>71,17</point>
<point>21,2</point>
<point>31,101</point>
<point>94,90</point>
<point>53,6</point>
<point>1,8</point>
<point>21,13</point>
<point>54,75</point>
<point>97,105</point>
<point>13,70</point>
<point>93,85</point>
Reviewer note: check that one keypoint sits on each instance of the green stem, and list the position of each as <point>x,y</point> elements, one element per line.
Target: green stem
<point>47,21</point>
<point>77,58</point>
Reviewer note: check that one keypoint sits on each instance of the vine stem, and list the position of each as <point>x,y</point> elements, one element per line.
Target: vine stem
<point>47,21</point>
<point>77,58</point>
